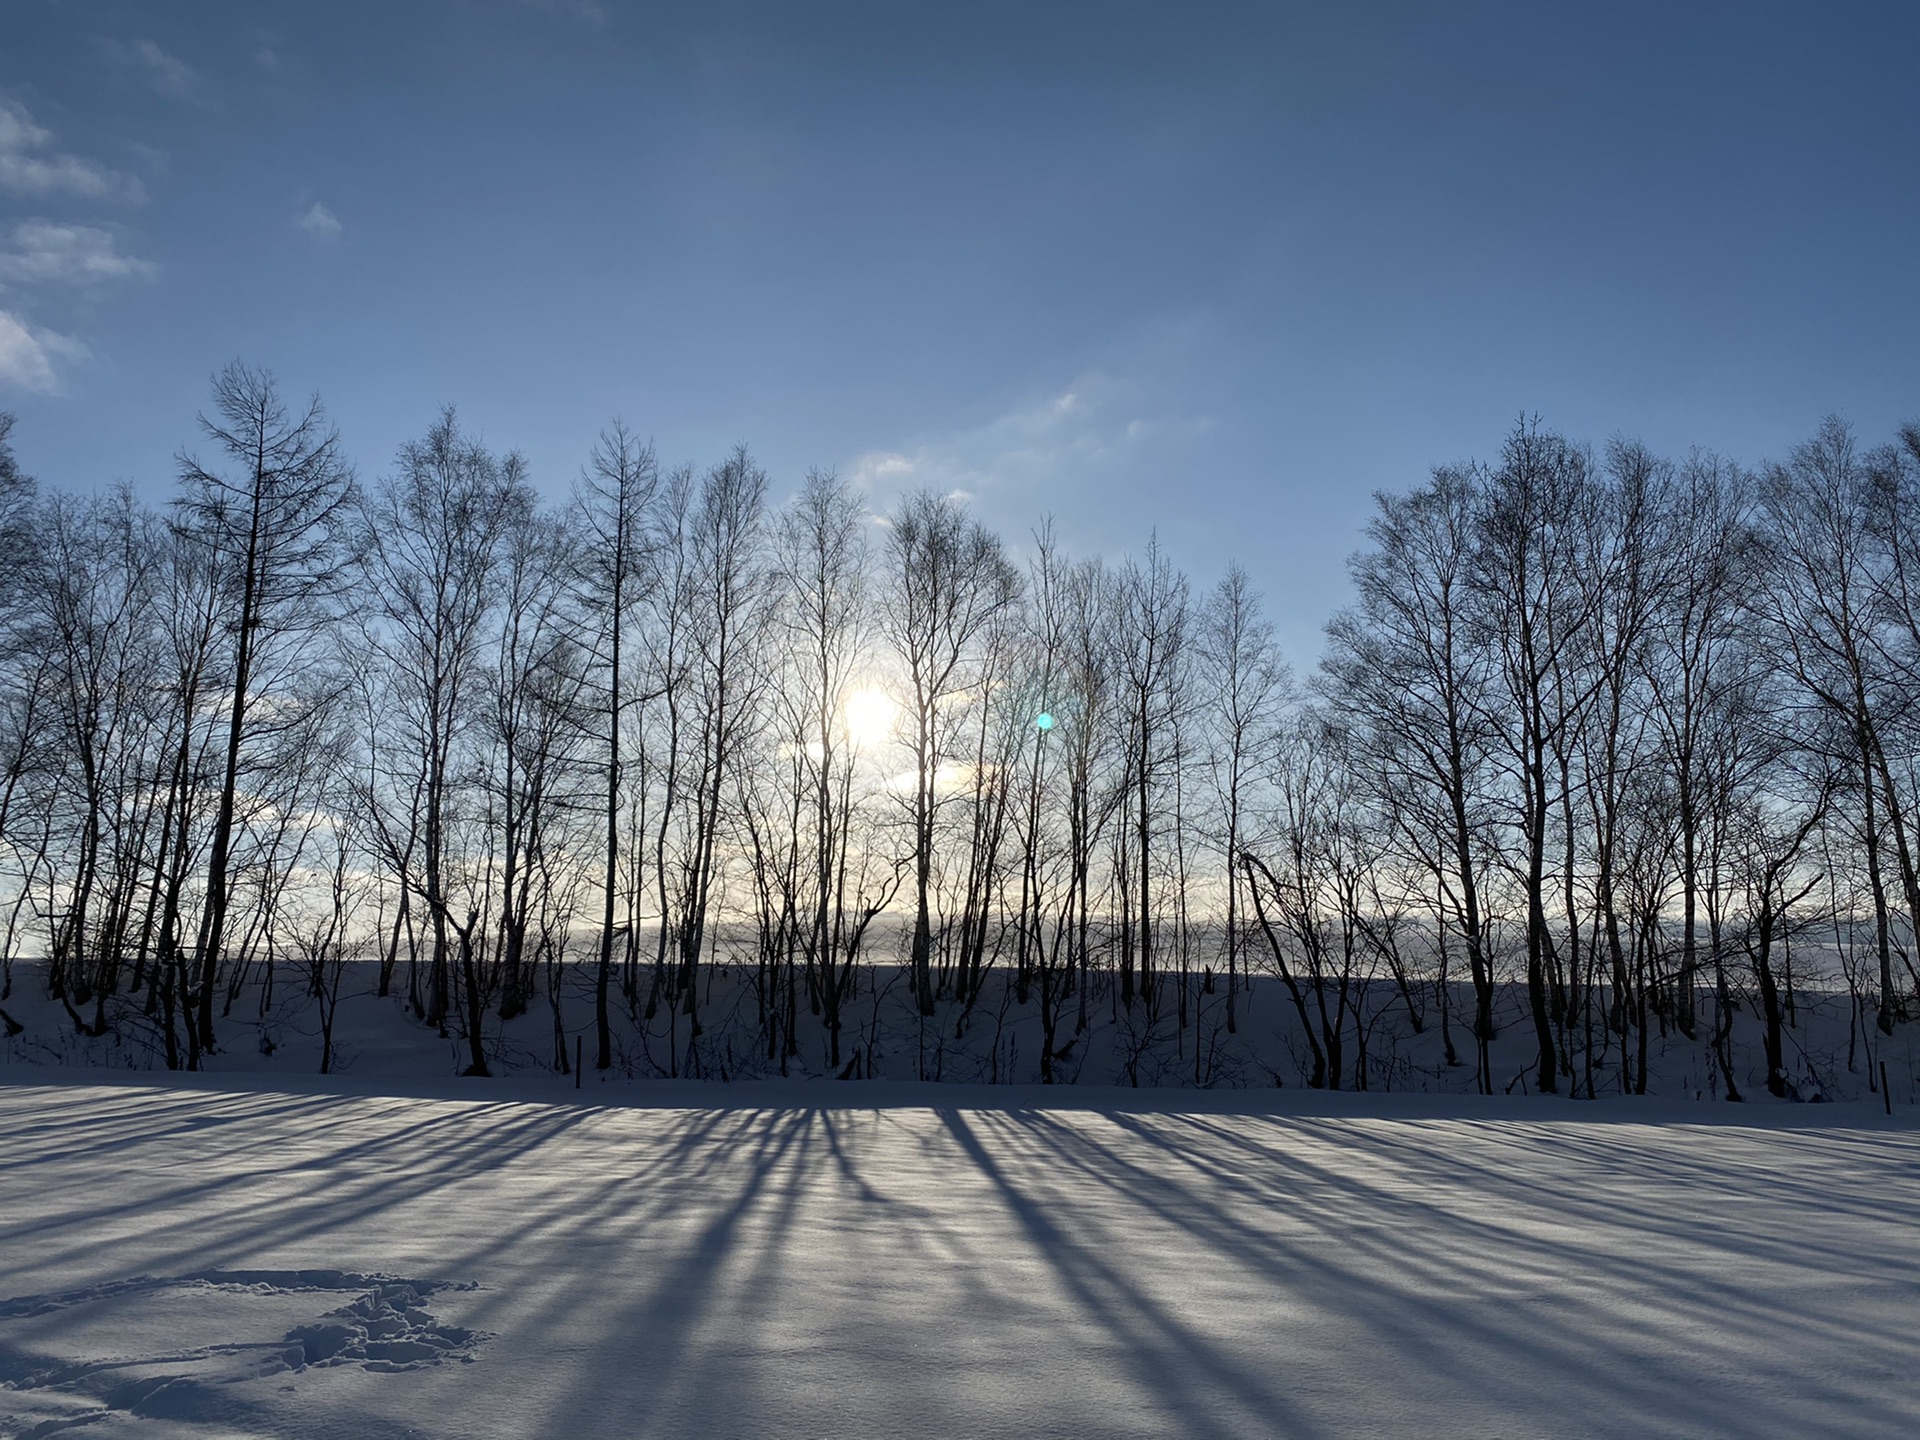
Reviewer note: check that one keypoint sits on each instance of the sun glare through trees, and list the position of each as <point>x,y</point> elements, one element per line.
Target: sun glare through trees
<point>991,720</point>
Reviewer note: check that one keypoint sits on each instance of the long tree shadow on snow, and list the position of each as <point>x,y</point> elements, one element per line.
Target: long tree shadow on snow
<point>791,1253</point>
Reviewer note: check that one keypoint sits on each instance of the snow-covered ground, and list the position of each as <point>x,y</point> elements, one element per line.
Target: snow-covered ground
<point>1832,1049</point>
<point>364,1259</point>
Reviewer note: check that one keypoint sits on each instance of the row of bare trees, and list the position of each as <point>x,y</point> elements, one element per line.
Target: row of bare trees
<point>1637,724</point>
<point>1606,735</point>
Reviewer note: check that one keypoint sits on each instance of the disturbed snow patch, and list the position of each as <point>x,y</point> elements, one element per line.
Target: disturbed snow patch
<point>174,1348</point>
<point>388,1327</point>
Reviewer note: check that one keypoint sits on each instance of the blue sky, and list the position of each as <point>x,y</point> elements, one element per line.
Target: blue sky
<point>1218,271</point>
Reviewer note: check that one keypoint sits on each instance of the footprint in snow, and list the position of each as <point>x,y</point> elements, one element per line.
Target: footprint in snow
<point>173,1347</point>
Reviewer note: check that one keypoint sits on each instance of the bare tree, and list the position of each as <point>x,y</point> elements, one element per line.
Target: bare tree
<point>1822,612</point>
<point>825,611</point>
<point>1150,640</point>
<point>610,505</point>
<point>1634,573</point>
<point>95,612</point>
<point>1248,686</point>
<point>725,618</point>
<point>948,583</point>
<point>435,533</point>
<point>1308,900</point>
<point>539,727</point>
<point>1090,742</point>
<point>1409,671</point>
<point>1535,603</point>
<point>274,520</point>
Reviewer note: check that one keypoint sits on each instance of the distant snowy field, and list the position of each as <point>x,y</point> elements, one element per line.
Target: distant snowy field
<point>368,1260</point>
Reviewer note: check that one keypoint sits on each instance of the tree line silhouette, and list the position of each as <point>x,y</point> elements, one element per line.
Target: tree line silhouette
<point>1627,739</point>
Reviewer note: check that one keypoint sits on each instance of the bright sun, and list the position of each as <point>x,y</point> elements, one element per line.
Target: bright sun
<point>869,717</point>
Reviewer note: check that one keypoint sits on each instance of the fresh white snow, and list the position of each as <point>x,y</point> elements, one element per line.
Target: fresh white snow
<point>362,1260</point>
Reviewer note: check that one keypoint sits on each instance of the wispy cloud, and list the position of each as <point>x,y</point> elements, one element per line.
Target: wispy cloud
<point>38,253</point>
<point>29,357</point>
<point>268,51</point>
<point>320,222</point>
<point>168,75</point>
<point>44,252</point>
<point>31,165</point>
<point>1093,425</point>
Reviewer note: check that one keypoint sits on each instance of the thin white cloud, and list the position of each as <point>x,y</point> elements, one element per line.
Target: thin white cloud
<point>29,357</point>
<point>44,252</point>
<point>267,52</point>
<point>167,74</point>
<point>320,222</point>
<point>154,159</point>
<point>17,130</point>
<point>880,469</point>
<point>1113,451</point>
<point>1077,429</point>
<point>29,165</point>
